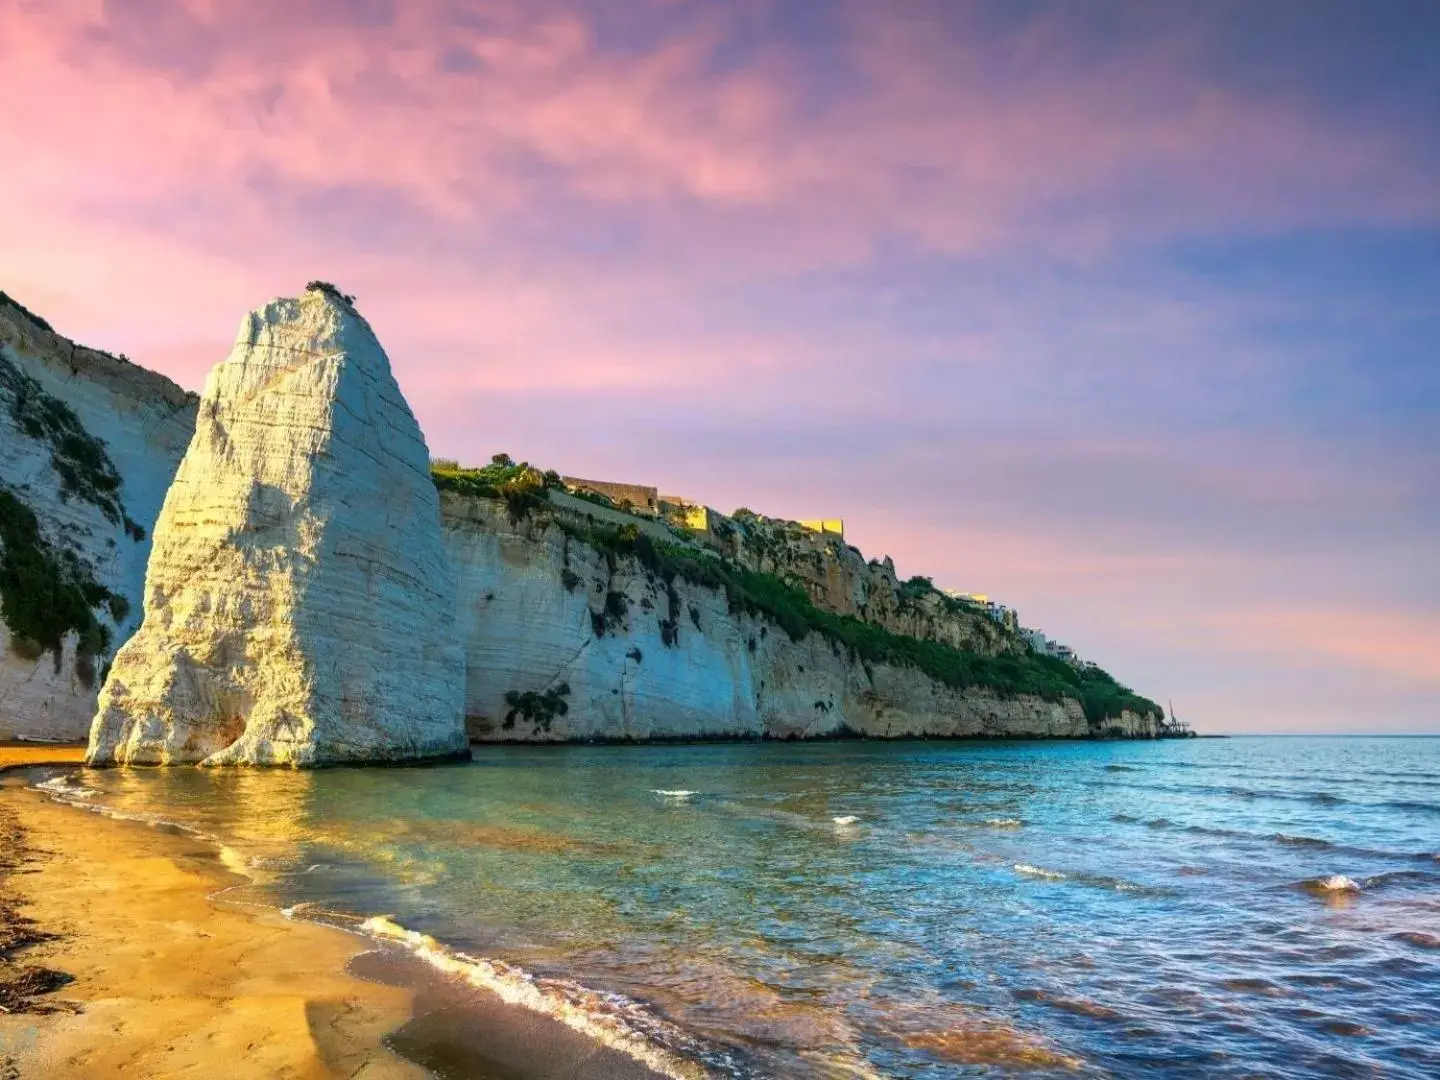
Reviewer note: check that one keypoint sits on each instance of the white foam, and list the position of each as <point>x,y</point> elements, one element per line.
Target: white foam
<point>848,819</point>
<point>1004,822</point>
<point>1337,883</point>
<point>66,785</point>
<point>678,794</point>
<point>1039,871</point>
<point>610,1019</point>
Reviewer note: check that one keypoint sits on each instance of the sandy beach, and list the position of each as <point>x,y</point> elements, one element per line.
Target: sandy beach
<point>168,982</point>
<point>129,950</point>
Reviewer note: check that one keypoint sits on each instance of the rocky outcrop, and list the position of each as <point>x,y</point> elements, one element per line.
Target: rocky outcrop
<point>88,445</point>
<point>566,641</point>
<point>839,579</point>
<point>298,604</point>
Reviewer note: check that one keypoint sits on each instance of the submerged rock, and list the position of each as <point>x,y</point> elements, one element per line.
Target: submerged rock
<point>298,601</point>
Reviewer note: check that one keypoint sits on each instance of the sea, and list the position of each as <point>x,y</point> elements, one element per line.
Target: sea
<point>1241,907</point>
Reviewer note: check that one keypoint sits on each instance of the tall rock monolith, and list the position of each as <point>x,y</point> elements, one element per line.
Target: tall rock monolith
<point>299,608</point>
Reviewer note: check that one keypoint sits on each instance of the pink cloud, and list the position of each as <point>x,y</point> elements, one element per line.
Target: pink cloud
<point>1395,644</point>
<point>926,139</point>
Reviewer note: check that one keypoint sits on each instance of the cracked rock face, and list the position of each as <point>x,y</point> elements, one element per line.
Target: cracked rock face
<point>298,601</point>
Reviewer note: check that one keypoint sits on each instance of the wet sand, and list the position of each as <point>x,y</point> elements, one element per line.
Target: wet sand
<point>171,976</point>
<point>167,982</point>
<point>19,755</point>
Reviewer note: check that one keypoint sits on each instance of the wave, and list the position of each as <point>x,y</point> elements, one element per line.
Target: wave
<point>1294,840</point>
<point>1004,822</point>
<point>846,819</point>
<point>609,1019</point>
<point>68,785</point>
<point>1423,807</point>
<point>680,794</point>
<point>1333,884</point>
<point>1113,884</point>
<point>1301,841</point>
<point>1121,768</point>
<point>1418,939</point>
<point>1402,877</point>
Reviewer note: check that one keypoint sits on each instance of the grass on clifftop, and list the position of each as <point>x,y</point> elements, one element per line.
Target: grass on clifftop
<point>521,485</point>
<point>8,300</point>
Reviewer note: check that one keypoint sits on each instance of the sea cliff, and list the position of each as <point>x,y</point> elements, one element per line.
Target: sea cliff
<point>572,620</point>
<point>90,443</point>
<point>572,631</point>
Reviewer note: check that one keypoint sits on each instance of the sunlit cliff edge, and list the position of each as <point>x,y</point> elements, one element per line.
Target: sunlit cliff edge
<point>577,616</point>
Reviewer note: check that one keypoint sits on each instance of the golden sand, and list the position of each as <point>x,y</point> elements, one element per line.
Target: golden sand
<point>20,755</point>
<point>172,983</point>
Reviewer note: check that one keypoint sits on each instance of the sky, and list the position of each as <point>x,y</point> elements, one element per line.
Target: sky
<point>1126,314</point>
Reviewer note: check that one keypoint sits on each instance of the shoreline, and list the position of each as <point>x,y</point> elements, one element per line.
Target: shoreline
<point>165,979</point>
<point>162,975</point>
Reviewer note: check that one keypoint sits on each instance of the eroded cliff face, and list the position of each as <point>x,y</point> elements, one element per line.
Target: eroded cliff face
<point>88,445</point>
<point>564,641</point>
<point>839,579</point>
<point>298,605</point>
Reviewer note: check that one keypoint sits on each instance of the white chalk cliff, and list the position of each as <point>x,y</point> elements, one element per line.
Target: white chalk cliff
<point>88,445</point>
<point>298,600</point>
<point>567,642</point>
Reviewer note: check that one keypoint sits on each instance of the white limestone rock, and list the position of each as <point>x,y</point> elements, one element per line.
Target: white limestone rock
<point>298,601</point>
<point>532,615</point>
<point>143,422</point>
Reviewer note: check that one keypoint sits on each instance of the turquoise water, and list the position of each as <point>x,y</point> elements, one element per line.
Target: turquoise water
<point>902,910</point>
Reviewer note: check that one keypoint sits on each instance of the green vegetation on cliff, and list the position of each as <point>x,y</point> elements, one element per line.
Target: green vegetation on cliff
<point>521,485</point>
<point>766,595</point>
<point>85,469</point>
<point>46,592</point>
<point>523,488</point>
<point>9,301</point>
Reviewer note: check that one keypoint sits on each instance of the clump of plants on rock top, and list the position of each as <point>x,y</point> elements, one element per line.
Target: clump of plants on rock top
<point>331,290</point>
<point>521,485</point>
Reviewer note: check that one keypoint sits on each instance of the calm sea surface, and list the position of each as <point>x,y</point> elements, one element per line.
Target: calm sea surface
<point>1218,908</point>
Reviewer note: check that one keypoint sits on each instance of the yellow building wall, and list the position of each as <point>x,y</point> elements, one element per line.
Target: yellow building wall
<point>825,525</point>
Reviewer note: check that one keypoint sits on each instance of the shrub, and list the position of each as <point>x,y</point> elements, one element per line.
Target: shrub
<point>36,319</point>
<point>330,290</point>
<point>46,593</point>
<point>536,707</point>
